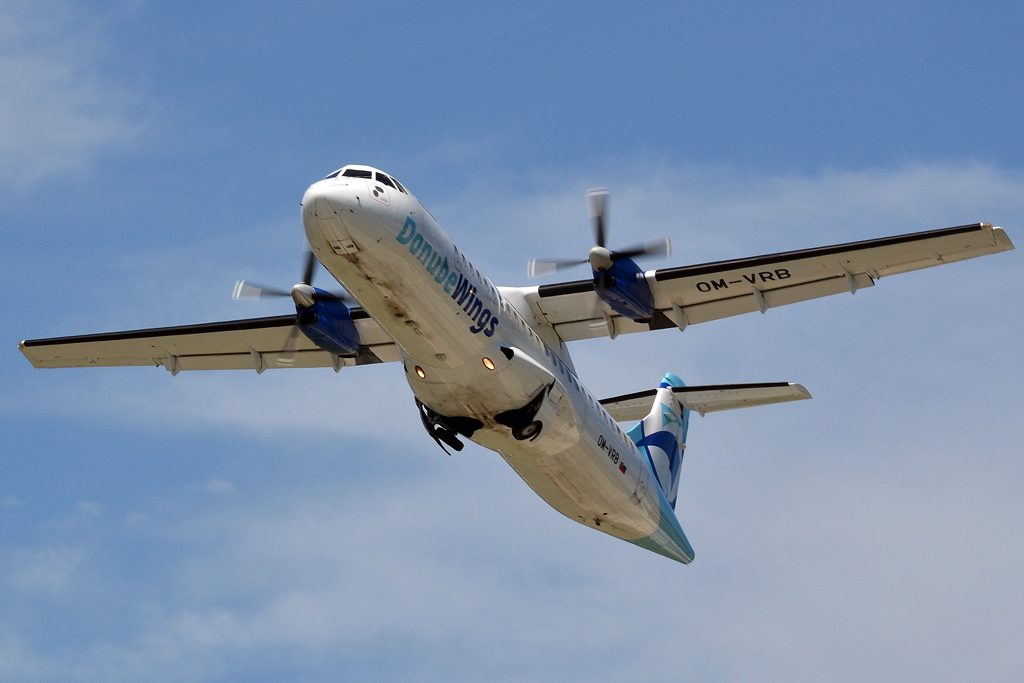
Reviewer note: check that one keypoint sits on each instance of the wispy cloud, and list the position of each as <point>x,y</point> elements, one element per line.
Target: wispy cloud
<point>90,507</point>
<point>46,571</point>
<point>219,486</point>
<point>58,109</point>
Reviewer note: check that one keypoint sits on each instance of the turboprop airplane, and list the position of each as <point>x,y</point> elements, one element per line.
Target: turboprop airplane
<point>491,364</point>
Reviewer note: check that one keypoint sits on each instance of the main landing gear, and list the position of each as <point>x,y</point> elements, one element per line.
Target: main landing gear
<point>523,421</point>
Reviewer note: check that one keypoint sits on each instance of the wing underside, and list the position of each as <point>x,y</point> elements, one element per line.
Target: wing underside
<point>251,344</point>
<point>695,294</point>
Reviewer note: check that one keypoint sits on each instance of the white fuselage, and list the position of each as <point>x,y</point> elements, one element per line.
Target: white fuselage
<point>446,318</point>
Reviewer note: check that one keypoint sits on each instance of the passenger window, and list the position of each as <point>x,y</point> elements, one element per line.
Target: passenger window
<point>357,173</point>
<point>381,178</point>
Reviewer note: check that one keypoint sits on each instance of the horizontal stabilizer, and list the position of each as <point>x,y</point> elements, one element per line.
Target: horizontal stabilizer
<point>706,399</point>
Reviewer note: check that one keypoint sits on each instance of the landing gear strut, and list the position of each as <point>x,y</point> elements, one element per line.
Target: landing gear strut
<point>446,429</point>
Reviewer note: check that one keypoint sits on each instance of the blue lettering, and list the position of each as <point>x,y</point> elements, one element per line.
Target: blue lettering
<point>462,290</point>
<point>442,273</point>
<point>470,300</point>
<point>494,323</point>
<point>452,279</point>
<point>482,321</point>
<point>426,251</point>
<point>435,261</point>
<point>408,231</point>
<point>417,243</point>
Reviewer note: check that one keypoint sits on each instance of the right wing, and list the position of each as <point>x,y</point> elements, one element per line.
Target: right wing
<point>709,291</point>
<point>252,344</point>
<point>706,399</point>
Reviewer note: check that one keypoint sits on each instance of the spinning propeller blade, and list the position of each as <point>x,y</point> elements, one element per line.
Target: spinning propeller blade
<point>307,273</point>
<point>252,290</point>
<point>601,258</point>
<point>538,268</point>
<point>290,347</point>
<point>659,247</point>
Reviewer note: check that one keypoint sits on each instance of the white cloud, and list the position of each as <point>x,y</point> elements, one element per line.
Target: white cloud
<point>90,507</point>
<point>57,107</point>
<point>46,571</point>
<point>219,486</point>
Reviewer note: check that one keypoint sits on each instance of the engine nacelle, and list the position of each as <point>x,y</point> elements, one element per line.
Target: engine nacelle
<point>627,291</point>
<point>328,324</point>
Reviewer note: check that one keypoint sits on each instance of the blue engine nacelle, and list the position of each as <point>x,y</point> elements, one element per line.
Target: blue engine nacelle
<point>626,290</point>
<point>328,324</point>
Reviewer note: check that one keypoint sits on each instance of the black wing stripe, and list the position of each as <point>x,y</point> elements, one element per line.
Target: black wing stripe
<point>227,326</point>
<point>563,288</point>
<point>687,390</point>
<point>704,268</point>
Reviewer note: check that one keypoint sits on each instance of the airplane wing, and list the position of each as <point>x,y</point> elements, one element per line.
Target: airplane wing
<point>695,294</point>
<point>253,344</point>
<point>706,399</point>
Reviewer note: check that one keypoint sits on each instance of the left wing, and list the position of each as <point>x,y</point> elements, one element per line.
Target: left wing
<point>709,291</point>
<point>706,399</point>
<point>252,344</point>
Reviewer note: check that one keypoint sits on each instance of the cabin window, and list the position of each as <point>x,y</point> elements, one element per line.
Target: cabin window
<point>357,173</point>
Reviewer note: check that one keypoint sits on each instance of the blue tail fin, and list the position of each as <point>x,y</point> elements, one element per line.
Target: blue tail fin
<point>662,436</point>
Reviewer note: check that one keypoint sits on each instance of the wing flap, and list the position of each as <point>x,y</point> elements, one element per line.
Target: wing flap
<point>707,399</point>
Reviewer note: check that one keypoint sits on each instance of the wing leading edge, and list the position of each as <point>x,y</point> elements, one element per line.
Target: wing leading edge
<point>700,293</point>
<point>250,344</point>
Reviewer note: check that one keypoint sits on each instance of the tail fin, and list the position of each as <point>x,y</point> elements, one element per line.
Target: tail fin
<point>662,436</point>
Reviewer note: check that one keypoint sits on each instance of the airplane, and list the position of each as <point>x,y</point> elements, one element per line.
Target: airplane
<point>491,364</point>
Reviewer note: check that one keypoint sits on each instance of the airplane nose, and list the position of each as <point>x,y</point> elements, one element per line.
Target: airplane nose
<point>324,209</point>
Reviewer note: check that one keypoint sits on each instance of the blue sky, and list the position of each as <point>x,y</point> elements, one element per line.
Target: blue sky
<point>299,525</point>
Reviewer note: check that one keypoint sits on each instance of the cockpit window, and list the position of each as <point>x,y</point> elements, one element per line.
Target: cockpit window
<point>400,186</point>
<point>357,173</point>
<point>333,175</point>
<point>381,178</point>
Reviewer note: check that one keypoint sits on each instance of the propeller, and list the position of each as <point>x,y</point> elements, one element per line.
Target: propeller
<point>303,294</point>
<point>600,258</point>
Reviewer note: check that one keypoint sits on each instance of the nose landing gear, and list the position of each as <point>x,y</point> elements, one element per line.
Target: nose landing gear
<point>446,429</point>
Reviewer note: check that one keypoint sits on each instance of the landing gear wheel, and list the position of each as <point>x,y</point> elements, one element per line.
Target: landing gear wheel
<point>527,431</point>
